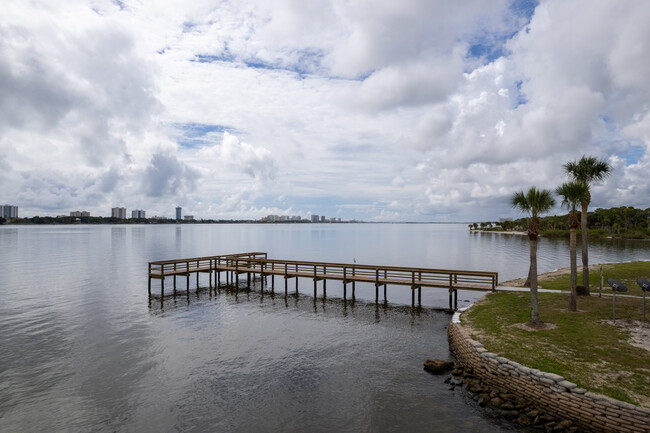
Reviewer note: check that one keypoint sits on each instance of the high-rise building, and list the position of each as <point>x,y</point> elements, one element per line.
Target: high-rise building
<point>178,212</point>
<point>137,214</point>
<point>323,219</point>
<point>118,212</point>
<point>314,218</point>
<point>79,213</point>
<point>8,211</point>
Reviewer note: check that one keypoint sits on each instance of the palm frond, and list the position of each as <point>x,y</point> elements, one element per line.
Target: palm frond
<point>572,193</point>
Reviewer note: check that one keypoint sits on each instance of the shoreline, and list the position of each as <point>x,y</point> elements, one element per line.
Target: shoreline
<point>519,282</point>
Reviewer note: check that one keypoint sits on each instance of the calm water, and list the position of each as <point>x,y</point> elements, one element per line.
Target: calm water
<point>83,349</point>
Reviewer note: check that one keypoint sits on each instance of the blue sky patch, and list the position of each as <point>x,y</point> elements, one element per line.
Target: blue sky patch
<point>521,96</point>
<point>491,46</point>
<point>308,61</point>
<point>192,135</point>
<point>208,58</point>
<point>634,154</point>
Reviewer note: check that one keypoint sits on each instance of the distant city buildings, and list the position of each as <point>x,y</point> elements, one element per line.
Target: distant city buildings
<point>138,214</point>
<point>297,218</point>
<point>8,211</point>
<point>118,212</point>
<point>280,218</point>
<point>79,213</point>
<point>178,212</point>
<point>188,217</point>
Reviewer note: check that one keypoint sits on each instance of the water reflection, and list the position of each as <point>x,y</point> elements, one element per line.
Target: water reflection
<point>83,348</point>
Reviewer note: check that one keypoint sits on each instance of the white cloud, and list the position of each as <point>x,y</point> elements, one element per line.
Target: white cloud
<point>373,108</point>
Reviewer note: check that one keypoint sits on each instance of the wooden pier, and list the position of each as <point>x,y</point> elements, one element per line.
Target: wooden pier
<point>257,263</point>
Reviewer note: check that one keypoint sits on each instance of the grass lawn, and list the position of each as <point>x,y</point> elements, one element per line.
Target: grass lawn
<point>624,272</point>
<point>585,347</point>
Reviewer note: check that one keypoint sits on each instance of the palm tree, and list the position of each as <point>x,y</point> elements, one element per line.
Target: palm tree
<point>572,195</point>
<point>586,170</point>
<point>534,202</point>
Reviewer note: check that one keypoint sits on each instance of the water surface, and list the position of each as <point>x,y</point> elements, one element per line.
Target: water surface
<point>82,348</point>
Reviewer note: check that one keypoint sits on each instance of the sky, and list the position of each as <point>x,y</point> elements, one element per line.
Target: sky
<point>376,110</point>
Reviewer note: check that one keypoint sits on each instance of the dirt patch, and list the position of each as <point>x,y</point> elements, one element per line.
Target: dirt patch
<point>528,326</point>
<point>639,331</point>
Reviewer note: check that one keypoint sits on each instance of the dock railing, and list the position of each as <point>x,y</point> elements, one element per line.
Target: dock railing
<point>258,263</point>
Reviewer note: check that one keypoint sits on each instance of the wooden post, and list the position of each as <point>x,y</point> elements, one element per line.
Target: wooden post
<point>413,289</point>
<point>315,282</point>
<point>162,287</point>
<point>450,289</point>
<point>324,282</point>
<point>376,286</point>
<point>272,283</point>
<point>345,283</point>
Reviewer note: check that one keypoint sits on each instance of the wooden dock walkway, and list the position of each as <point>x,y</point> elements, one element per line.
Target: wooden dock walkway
<point>257,263</point>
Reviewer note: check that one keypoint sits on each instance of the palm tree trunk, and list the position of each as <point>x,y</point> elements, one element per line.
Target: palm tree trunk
<point>574,269</point>
<point>534,317</point>
<point>530,272</point>
<point>585,254</point>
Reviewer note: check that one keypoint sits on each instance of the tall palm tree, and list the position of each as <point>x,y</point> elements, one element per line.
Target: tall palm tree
<point>534,202</point>
<point>572,194</point>
<point>586,170</point>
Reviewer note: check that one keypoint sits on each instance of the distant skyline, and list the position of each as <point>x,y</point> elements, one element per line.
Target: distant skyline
<point>369,110</point>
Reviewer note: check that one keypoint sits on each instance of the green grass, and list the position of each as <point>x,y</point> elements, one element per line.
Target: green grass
<point>583,348</point>
<point>624,272</point>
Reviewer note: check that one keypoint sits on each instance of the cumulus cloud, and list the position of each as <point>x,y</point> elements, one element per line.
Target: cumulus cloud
<point>254,161</point>
<point>417,110</point>
<point>166,176</point>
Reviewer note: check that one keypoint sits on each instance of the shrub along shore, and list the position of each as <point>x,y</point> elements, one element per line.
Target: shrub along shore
<point>585,347</point>
<point>621,222</point>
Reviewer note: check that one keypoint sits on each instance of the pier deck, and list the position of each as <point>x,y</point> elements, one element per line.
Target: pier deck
<point>257,263</point>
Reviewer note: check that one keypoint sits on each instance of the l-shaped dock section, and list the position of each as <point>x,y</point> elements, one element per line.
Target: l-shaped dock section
<point>257,263</point>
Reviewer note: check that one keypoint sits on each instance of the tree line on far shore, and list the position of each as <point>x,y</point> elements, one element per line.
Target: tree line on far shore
<point>624,221</point>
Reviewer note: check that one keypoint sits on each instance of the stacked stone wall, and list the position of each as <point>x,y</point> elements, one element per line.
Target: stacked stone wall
<point>550,392</point>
